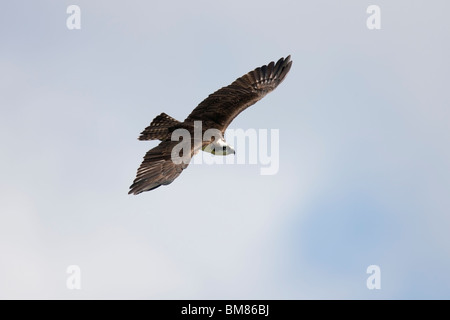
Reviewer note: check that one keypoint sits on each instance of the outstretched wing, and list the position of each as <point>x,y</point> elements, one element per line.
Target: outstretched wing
<point>158,167</point>
<point>226,103</point>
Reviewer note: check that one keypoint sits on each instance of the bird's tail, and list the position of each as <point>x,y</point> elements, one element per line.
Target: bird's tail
<point>159,129</point>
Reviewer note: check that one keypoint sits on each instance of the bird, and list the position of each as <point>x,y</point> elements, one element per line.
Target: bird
<point>215,112</point>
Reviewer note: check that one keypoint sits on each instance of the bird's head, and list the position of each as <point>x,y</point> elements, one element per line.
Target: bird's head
<point>224,150</point>
<point>219,148</point>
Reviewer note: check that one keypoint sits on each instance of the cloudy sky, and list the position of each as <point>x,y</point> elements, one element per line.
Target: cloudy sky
<point>364,158</point>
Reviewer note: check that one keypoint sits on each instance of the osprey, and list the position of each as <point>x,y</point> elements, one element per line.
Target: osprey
<point>215,112</point>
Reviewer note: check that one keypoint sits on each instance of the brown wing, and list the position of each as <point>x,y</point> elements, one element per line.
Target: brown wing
<point>226,103</point>
<point>158,168</point>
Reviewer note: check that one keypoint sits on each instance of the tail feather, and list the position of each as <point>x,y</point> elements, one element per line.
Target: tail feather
<point>159,128</point>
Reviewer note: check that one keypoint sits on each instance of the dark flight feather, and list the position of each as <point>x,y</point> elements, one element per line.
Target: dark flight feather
<point>227,103</point>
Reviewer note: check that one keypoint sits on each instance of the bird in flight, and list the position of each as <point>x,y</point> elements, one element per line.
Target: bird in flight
<point>215,112</point>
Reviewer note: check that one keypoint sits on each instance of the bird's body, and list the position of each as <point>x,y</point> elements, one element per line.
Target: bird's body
<point>210,119</point>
